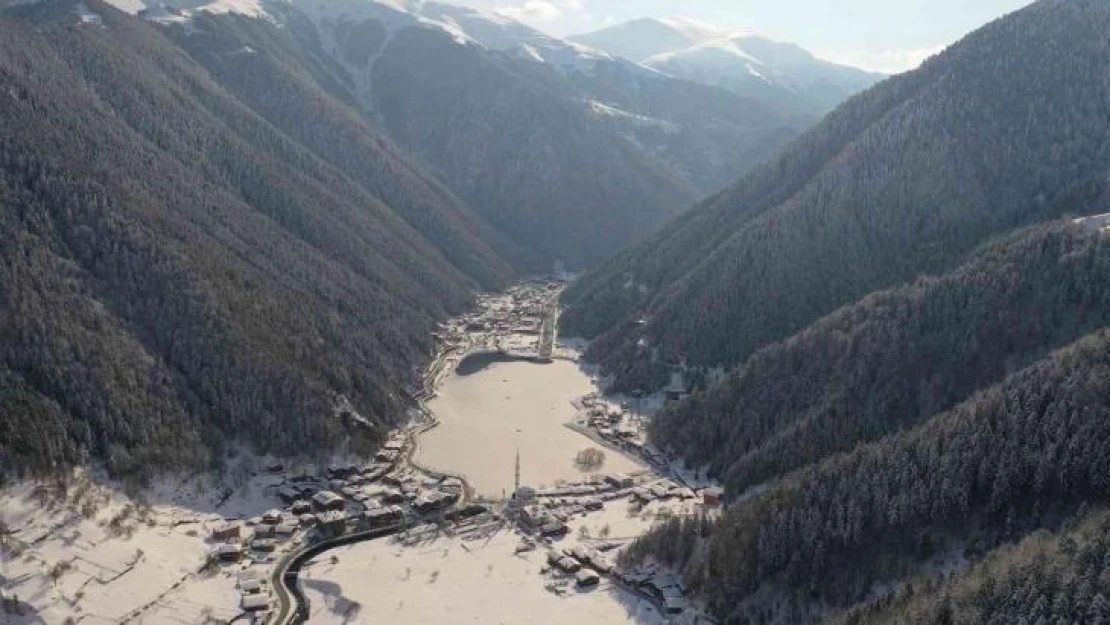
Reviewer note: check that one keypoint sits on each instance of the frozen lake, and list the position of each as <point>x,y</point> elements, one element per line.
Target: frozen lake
<point>490,409</point>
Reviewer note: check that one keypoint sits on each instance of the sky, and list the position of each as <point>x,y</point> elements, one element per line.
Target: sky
<point>880,35</point>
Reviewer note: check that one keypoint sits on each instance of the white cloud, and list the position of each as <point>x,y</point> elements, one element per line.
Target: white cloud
<point>542,10</point>
<point>893,61</point>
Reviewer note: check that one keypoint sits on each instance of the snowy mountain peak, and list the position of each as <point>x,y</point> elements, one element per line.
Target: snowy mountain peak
<point>182,9</point>
<point>694,30</point>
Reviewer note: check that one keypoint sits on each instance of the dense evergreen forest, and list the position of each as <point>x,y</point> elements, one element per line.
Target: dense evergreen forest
<point>896,357</point>
<point>1061,577</point>
<point>1023,455</point>
<point>1006,128</point>
<point>913,423</point>
<point>181,272</point>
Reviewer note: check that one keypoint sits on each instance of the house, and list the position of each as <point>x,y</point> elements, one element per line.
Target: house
<point>712,496</point>
<point>674,395</point>
<point>555,529</point>
<point>568,565</point>
<point>601,563</point>
<point>307,520</point>
<point>341,471</point>
<point>250,586</point>
<point>434,500</point>
<point>327,500</point>
<point>393,496</point>
<point>619,480</point>
<point>301,507</point>
<point>378,518</point>
<point>272,517</point>
<point>642,494</point>
<point>452,483</point>
<point>333,523</point>
<point>387,455</point>
<point>534,518</point>
<point>255,603</point>
<point>264,545</point>
<point>227,531</point>
<point>286,529</point>
<point>674,604</point>
<point>229,553</point>
<point>586,578</point>
<point>288,494</point>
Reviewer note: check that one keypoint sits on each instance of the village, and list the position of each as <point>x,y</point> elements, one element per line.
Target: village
<point>254,549</point>
<point>393,492</point>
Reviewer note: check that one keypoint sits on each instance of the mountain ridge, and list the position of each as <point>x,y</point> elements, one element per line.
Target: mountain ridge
<point>906,178</point>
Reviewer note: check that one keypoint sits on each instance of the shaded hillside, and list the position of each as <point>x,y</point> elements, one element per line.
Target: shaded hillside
<point>571,152</point>
<point>508,138</point>
<point>280,74</point>
<point>179,274</point>
<point>1022,455</point>
<point>1005,129</point>
<point>895,358</point>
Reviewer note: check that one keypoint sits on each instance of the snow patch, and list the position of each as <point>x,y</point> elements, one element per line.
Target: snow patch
<point>602,110</point>
<point>1100,223</point>
<point>88,16</point>
<point>696,30</point>
<point>183,10</point>
<point>392,14</point>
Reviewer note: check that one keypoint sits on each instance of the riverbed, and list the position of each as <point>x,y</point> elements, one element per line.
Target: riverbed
<point>491,410</point>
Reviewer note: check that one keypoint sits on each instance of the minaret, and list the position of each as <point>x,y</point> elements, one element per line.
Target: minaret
<point>516,483</point>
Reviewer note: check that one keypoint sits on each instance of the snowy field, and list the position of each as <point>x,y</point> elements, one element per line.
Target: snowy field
<point>90,554</point>
<point>475,579</point>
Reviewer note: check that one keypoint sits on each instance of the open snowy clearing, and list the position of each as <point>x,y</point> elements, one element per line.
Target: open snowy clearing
<point>475,579</point>
<point>92,554</point>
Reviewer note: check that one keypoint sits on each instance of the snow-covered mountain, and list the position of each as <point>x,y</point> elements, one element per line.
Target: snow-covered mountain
<point>642,39</point>
<point>775,72</point>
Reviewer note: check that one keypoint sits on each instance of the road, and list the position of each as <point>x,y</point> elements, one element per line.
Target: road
<point>293,606</point>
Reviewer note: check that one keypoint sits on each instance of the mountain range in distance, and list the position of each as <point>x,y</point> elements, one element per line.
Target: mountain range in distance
<point>770,71</point>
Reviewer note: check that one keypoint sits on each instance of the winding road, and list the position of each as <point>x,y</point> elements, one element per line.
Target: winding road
<point>293,605</point>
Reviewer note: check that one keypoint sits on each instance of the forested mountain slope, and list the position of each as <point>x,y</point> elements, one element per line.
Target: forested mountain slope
<point>532,130</point>
<point>896,357</point>
<point>1061,577</point>
<point>1020,456</point>
<point>1006,128</point>
<point>179,273</point>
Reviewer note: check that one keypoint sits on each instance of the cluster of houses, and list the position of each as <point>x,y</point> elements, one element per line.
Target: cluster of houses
<point>347,499</point>
<point>520,311</point>
<point>666,588</point>
<point>588,564</point>
<point>256,599</point>
<point>585,564</point>
<point>618,428</point>
<point>510,321</point>
<point>593,493</point>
